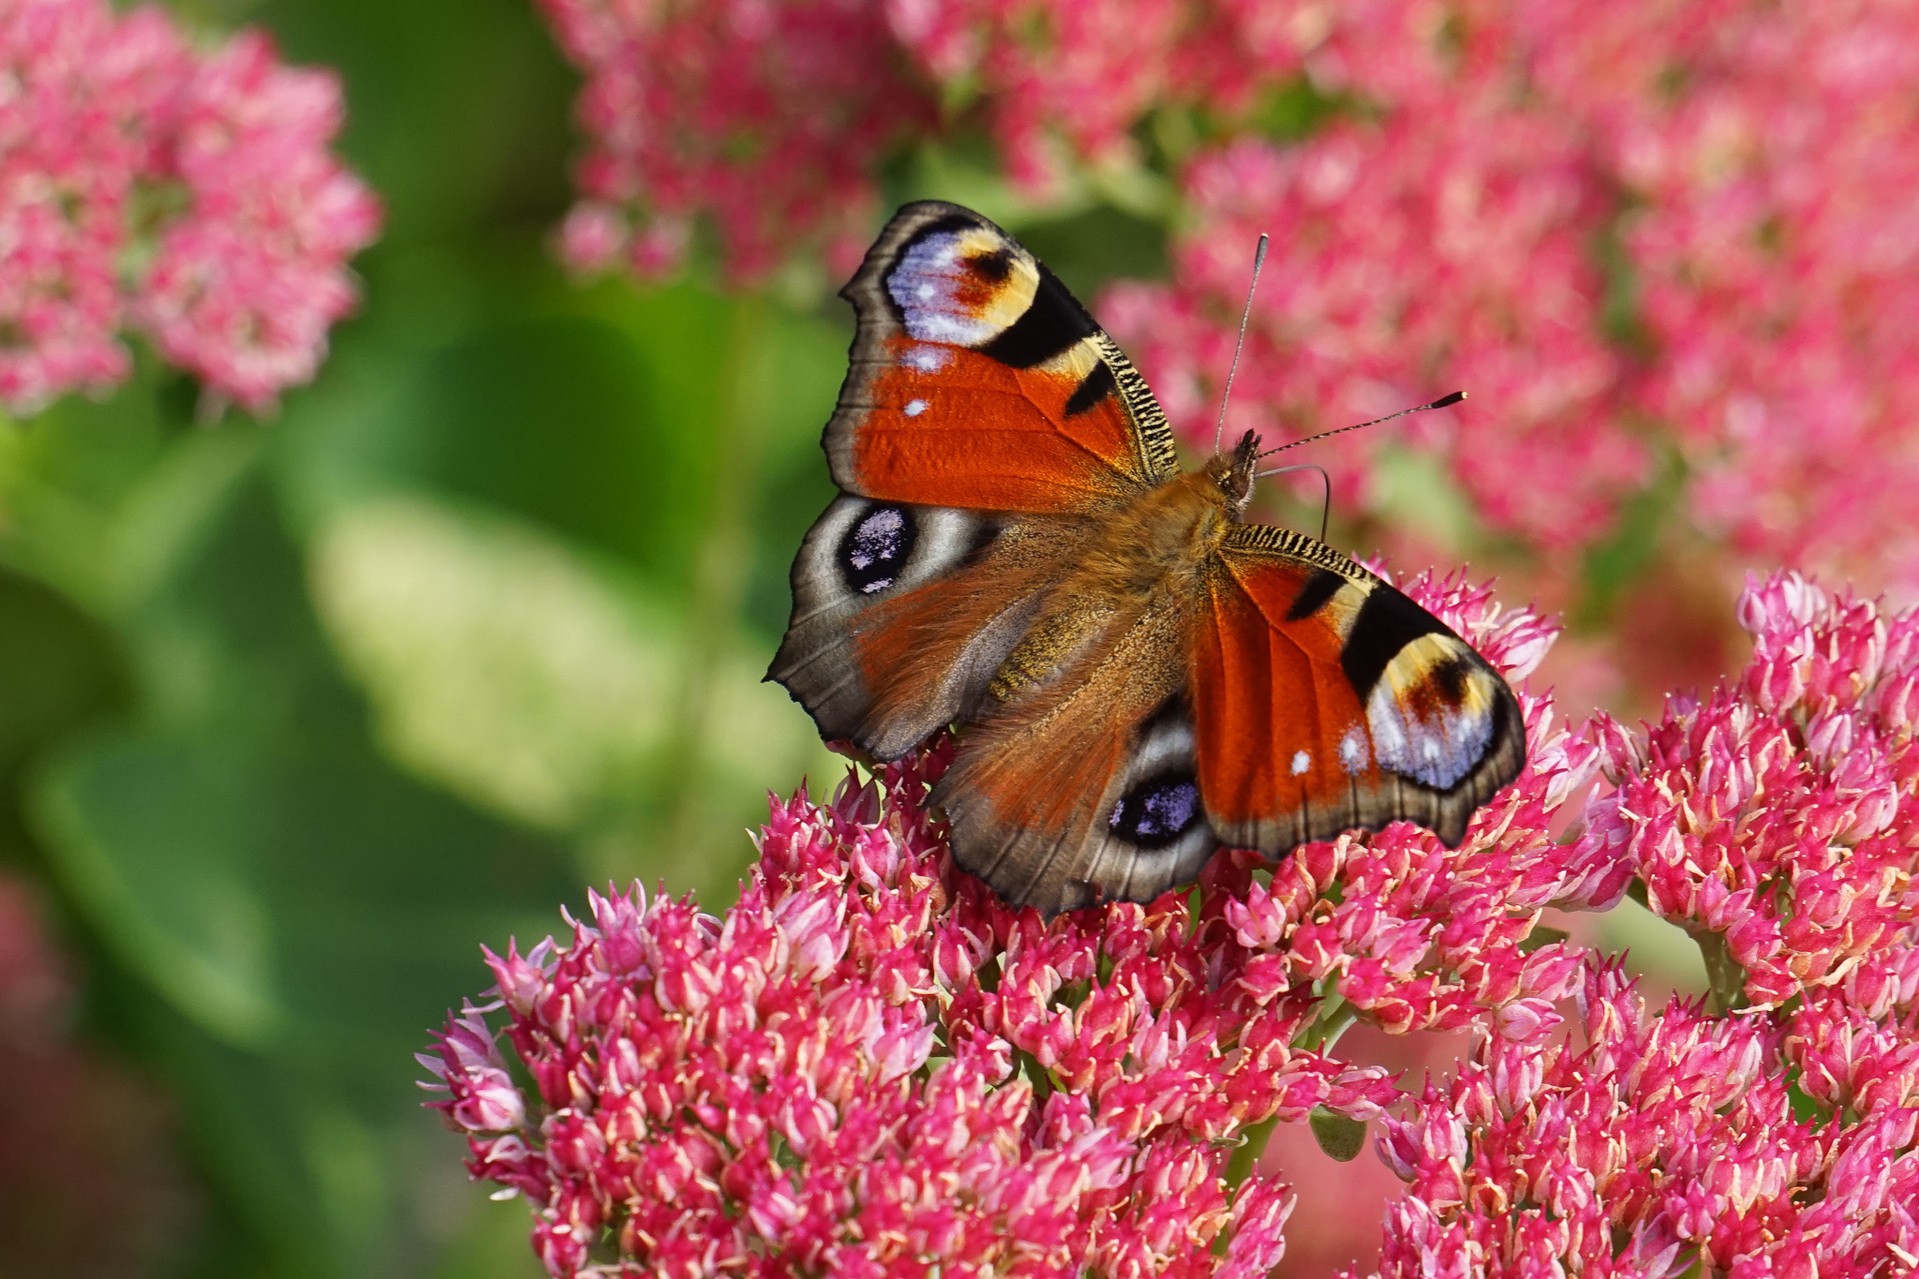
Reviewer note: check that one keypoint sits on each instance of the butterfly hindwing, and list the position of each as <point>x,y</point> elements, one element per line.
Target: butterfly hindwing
<point>1083,788</point>
<point>978,381</point>
<point>1327,700</point>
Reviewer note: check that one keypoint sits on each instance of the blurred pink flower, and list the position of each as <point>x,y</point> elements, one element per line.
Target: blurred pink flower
<point>769,118</point>
<point>1439,248</point>
<point>1656,1142</point>
<point>1635,233</point>
<point>77,1129</point>
<point>1063,83</point>
<point>1774,246</point>
<point>1778,817</point>
<point>146,186</point>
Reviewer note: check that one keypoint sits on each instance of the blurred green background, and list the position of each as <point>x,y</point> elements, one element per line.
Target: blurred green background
<point>297,714</point>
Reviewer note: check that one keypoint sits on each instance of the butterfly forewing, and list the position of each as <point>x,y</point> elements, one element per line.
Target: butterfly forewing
<point>982,417</point>
<point>977,380</point>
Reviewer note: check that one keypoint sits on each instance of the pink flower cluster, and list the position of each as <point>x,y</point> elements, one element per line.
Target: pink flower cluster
<point>188,196</point>
<point>1779,817</point>
<point>1060,85</point>
<point>1656,1143</point>
<point>1777,278</point>
<point>869,1062</point>
<point>771,119</point>
<point>1633,232</point>
<point>77,1130</point>
<point>1443,247</point>
<point>869,1067</point>
<point>1777,822</point>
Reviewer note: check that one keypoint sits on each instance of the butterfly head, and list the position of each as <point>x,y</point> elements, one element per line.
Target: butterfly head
<point>1233,473</point>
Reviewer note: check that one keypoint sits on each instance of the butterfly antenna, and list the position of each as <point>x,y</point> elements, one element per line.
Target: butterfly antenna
<point>1239,344</point>
<point>1443,401</point>
<point>1326,505</point>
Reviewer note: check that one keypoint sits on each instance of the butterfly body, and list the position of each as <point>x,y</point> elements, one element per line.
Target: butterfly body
<point>1140,673</point>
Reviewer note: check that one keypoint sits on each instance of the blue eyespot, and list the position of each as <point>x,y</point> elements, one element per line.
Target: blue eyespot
<point>875,549</point>
<point>1156,812</point>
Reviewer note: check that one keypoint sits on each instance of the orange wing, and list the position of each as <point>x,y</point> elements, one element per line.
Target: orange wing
<point>985,416</point>
<point>978,381</point>
<point>1324,700</point>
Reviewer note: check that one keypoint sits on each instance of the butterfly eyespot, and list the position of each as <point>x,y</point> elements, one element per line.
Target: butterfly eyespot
<point>1157,811</point>
<point>874,550</point>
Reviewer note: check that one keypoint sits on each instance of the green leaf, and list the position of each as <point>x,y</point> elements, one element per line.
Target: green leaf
<point>1541,936</point>
<point>286,914</point>
<point>59,671</point>
<point>1339,1136</point>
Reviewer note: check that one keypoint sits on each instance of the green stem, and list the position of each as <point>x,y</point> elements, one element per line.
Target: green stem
<point>719,576</point>
<point>1335,1017</point>
<point>1246,1158</point>
<point>1725,976</point>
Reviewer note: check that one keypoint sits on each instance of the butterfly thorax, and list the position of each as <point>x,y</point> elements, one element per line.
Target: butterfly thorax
<point>1149,556</point>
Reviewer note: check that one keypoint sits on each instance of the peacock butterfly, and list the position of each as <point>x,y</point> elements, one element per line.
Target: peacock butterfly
<point>1140,675</point>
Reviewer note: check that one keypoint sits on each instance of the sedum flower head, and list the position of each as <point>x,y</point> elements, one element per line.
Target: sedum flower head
<point>1064,83</point>
<point>1778,817</point>
<point>770,119</point>
<point>869,1064</point>
<point>1658,1142</point>
<point>1772,1129</point>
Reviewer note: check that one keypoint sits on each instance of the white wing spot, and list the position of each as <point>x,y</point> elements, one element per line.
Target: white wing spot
<point>924,293</point>
<point>915,407</point>
<point>927,359</point>
<point>1301,762</point>
<point>1352,750</point>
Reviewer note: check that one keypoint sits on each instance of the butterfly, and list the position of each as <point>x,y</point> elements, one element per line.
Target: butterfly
<point>1140,675</point>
